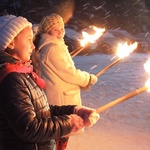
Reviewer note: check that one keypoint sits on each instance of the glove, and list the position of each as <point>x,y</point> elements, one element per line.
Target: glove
<point>91,119</point>
<point>89,115</point>
<point>92,81</point>
<point>76,122</point>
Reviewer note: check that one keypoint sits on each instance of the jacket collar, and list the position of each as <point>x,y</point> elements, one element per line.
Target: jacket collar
<point>6,58</point>
<point>9,64</point>
<point>47,39</point>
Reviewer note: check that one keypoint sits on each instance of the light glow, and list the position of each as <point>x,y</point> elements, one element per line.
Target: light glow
<point>147,68</point>
<point>147,84</point>
<point>125,49</point>
<point>91,38</point>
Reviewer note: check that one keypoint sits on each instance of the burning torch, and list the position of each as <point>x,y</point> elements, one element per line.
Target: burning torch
<point>123,50</point>
<point>87,39</point>
<point>132,94</point>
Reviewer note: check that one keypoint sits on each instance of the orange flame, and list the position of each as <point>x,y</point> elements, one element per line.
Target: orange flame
<point>125,49</point>
<point>147,84</point>
<point>147,68</point>
<point>91,38</point>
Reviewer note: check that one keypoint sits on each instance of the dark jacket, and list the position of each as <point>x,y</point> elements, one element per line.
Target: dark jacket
<point>27,122</point>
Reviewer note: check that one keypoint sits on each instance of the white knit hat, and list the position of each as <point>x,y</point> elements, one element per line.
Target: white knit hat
<point>10,27</point>
<point>48,22</point>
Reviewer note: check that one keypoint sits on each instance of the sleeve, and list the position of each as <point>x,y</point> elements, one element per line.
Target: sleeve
<point>59,60</point>
<point>58,110</point>
<point>18,113</point>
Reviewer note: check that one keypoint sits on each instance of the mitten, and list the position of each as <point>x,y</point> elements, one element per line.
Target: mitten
<point>76,122</point>
<point>91,119</point>
<point>89,115</point>
<point>82,111</point>
<point>92,81</point>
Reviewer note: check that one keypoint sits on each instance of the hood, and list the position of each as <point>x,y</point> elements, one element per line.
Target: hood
<point>47,39</point>
<point>9,64</point>
<point>6,58</point>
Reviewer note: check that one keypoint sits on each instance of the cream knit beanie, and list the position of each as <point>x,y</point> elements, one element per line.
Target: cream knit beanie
<point>10,27</point>
<point>48,22</point>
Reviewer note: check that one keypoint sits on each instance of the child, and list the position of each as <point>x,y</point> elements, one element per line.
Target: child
<point>54,64</point>
<point>27,121</point>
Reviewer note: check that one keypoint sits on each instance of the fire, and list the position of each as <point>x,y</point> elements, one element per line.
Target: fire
<point>91,38</point>
<point>147,84</point>
<point>147,68</point>
<point>125,49</point>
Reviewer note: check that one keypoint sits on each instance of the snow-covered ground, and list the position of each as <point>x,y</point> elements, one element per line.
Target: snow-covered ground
<point>125,126</point>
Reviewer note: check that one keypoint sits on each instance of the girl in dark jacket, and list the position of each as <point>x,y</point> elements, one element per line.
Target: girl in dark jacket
<point>27,121</point>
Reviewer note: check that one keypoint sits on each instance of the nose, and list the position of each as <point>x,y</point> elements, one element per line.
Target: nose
<point>62,33</point>
<point>32,46</point>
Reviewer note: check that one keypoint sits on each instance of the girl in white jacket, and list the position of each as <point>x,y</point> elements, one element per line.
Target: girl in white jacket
<point>54,64</point>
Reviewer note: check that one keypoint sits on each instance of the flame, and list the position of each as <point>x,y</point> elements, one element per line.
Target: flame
<point>125,49</point>
<point>147,84</point>
<point>91,38</point>
<point>147,68</point>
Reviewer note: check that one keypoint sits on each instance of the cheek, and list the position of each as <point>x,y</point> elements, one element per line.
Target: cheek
<point>25,48</point>
<point>63,34</point>
<point>54,34</point>
<point>25,55</point>
<point>21,45</point>
<point>26,45</point>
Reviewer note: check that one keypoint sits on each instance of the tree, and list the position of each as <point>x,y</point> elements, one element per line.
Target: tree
<point>131,15</point>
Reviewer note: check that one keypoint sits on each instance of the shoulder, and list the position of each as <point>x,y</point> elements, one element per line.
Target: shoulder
<point>14,79</point>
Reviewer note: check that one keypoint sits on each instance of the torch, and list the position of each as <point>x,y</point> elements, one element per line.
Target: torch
<point>132,94</point>
<point>87,39</point>
<point>123,50</point>
<point>121,99</point>
<point>78,50</point>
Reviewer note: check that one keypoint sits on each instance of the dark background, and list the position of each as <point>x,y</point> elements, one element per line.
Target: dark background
<point>130,15</point>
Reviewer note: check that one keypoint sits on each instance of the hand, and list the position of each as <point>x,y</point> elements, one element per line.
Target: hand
<point>92,81</point>
<point>91,119</point>
<point>83,111</point>
<point>89,115</point>
<point>76,122</point>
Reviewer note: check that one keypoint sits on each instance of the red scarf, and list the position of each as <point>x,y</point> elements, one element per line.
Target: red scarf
<point>8,68</point>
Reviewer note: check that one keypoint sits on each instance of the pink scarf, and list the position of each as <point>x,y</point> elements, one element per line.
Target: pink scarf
<point>8,68</point>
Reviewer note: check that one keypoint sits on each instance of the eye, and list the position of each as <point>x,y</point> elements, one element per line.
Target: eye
<point>30,40</point>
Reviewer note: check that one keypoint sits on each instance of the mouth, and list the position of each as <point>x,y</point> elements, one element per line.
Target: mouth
<point>30,53</point>
<point>60,38</point>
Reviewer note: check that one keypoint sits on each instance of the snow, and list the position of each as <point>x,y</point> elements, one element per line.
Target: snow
<point>125,126</point>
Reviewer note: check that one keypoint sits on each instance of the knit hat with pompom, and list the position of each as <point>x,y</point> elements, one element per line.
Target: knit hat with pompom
<point>10,27</point>
<point>48,22</point>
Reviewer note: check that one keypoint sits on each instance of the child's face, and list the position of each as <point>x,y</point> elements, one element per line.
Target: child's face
<point>22,45</point>
<point>58,31</point>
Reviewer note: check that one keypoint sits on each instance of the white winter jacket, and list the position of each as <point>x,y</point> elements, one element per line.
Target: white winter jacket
<point>57,68</point>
